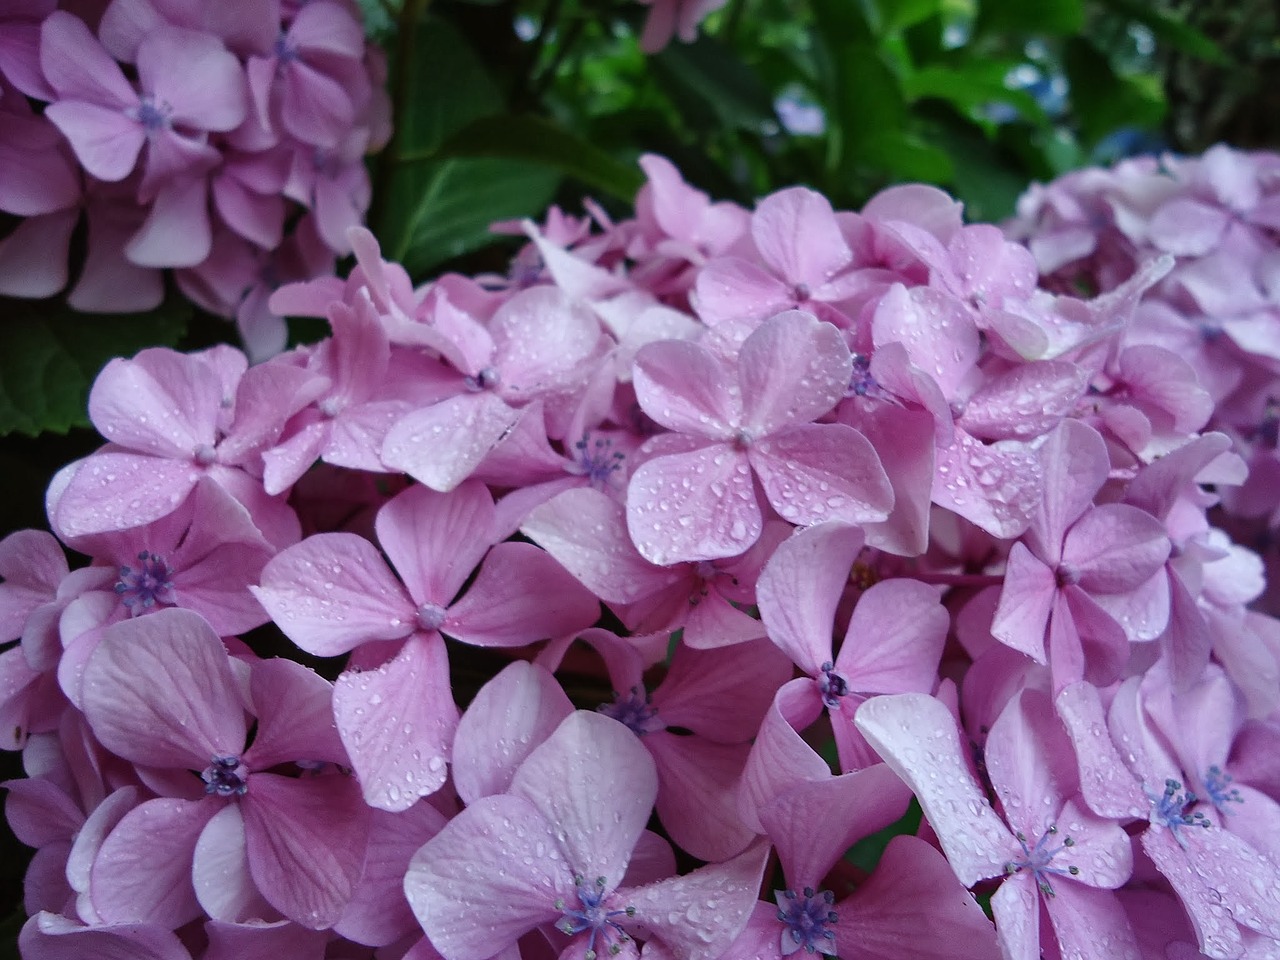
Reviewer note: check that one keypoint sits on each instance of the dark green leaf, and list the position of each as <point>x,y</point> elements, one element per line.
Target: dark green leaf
<point>445,207</point>
<point>987,179</point>
<point>1170,29</point>
<point>50,354</point>
<point>1104,101</point>
<point>447,88</point>
<point>896,15</point>
<point>540,141</point>
<point>866,853</point>
<point>706,77</point>
<point>972,86</point>
<point>905,156</point>
<point>1019,16</point>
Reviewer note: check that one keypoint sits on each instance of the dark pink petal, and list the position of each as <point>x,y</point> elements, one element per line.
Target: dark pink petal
<point>895,638</point>
<point>904,440</point>
<point>996,486</point>
<point>714,622</point>
<point>699,505</point>
<point>793,369</point>
<point>677,911</point>
<point>917,736</point>
<point>442,445</point>
<point>1016,908</point>
<point>470,912</point>
<point>436,540</point>
<point>684,387</point>
<point>913,898</point>
<point>800,588</point>
<point>796,232</point>
<point>699,684</point>
<point>809,840</point>
<point>177,231</point>
<point>40,812</point>
<point>520,595</point>
<point>511,715</point>
<point>262,941</point>
<point>220,870</point>
<point>378,913</point>
<point>49,936</point>
<point>142,873</point>
<point>332,592</point>
<point>306,840</point>
<point>397,723</point>
<point>780,757</point>
<point>295,716</point>
<point>596,783</point>
<point>697,800</point>
<point>586,531</point>
<point>196,76</point>
<point>822,471</point>
<point>159,690</point>
<point>33,256</point>
<point>32,566</point>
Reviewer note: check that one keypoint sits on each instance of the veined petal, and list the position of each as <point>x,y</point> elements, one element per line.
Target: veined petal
<point>685,388</point>
<point>793,369</point>
<point>822,471</point>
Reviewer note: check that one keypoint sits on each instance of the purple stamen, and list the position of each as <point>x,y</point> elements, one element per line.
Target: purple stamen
<point>832,686</point>
<point>635,711</point>
<point>594,918</point>
<point>226,777</point>
<point>806,919</point>
<point>1038,859</point>
<point>146,586</point>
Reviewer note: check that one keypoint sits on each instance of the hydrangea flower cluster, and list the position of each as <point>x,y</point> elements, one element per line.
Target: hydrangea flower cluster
<point>222,141</point>
<point>1218,309</point>
<point>631,593</point>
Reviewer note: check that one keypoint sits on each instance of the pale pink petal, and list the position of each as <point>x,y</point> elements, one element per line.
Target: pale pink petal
<point>306,840</point>
<point>937,331</point>
<point>904,440</point>
<point>1187,228</point>
<point>793,369</point>
<point>796,232</point>
<point>442,444</point>
<point>520,595</point>
<point>917,736</point>
<point>913,898</point>
<point>714,622</point>
<point>436,540</point>
<point>1024,402</point>
<point>332,592</point>
<point>539,337</point>
<point>262,941</point>
<point>220,870</point>
<point>696,932</point>
<point>586,531</point>
<point>1108,787</point>
<point>397,723</point>
<point>895,638</point>
<point>995,486</point>
<point>1026,597</point>
<point>33,256</point>
<point>682,386</point>
<point>780,757</point>
<point>699,505</point>
<point>800,588</point>
<point>177,231</point>
<point>1016,908</point>
<point>77,66</point>
<point>142,873</point>
<point>1216,930</point>
<point>1114,548</point>
<point>315,108</point>
<point>822,471</point>
<point>49,936</point>
<point>195,75</point>
<point>511,715</point>
<point>160,402</point>
<point>594,780</point>
<point>470,913</point>
<point>729,289</point>
<point>1087,920</point>
<point>159,690</point>
<point>809,840</point>
<point>1075,464</point>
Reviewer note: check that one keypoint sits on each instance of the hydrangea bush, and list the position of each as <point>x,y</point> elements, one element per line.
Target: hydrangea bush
<point>718,583</point>
<point>223,141</point>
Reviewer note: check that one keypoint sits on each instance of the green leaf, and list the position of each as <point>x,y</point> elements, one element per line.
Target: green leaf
<point>905,156</point>
<point>1019,16</point>
<point>50,354</point>
<point>866,853</point>
<point>540,141</point>
<point>447,206</point>
<point>1171,30</point>
<point>706,78</point>
<point>447,88</point>
<point>1105,101</point>
<point>972,86</point>
<point>898,15</point>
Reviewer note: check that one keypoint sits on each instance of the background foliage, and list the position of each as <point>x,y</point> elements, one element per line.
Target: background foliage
<point>504,106</point>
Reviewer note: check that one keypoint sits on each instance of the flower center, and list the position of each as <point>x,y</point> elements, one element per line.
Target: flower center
<point>226,777</point>
<point>634,710</point>
<point>861,383</point>
<point>431,616</point>
<point>831,685</point>
<point>594,918</point>
<point>145,586</point>
<point>597,460</point>
<point>285,51</point>
<point>805,919</point>
<point>1038,859</point>
<point>486,379</point>
<point>1217,783</point>
<point>153,116</point>
<point>1066,575</point>
<point>1171,810</point>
